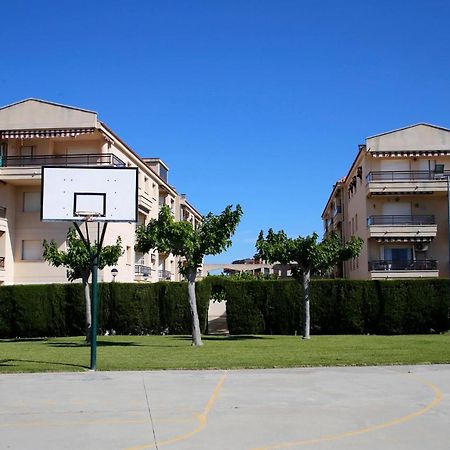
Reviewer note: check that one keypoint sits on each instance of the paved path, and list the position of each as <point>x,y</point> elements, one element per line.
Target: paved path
<point>322,408</point>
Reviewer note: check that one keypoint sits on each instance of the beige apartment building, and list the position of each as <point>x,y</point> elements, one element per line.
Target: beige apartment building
<point>395,197</point>
<point>36,133</point>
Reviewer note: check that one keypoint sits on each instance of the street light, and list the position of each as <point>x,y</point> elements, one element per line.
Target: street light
<point>114,273</point>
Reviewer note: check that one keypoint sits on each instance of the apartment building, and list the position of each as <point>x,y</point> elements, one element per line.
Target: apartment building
<point>35,133</point>
<point>395,197</point>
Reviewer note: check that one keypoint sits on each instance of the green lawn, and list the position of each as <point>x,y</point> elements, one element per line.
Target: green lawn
<point>175,352</point>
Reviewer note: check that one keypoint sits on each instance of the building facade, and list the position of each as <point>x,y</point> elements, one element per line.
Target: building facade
<point>395,197</point>
<point>36,133</point>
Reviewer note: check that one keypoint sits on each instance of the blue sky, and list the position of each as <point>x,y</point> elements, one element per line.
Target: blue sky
<point>261,103</point>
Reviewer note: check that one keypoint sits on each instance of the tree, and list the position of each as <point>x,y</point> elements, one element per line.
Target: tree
<point>210,237</point>
<point>77,259</point>
<point>305,256</point>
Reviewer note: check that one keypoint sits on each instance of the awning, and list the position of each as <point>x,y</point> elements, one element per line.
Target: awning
<point>409,153</point>
<point>404,239</point>
<point>31,134</point>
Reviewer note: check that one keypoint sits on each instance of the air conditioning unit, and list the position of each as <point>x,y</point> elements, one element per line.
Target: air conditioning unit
<point>421,247</point>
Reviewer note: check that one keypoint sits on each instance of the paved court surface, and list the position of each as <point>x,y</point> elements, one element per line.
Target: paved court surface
<point>318,408</point>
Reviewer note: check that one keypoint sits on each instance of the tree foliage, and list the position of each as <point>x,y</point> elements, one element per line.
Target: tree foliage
<point>210,237</point>
<point>306,252</point>
<point>306,255</point>
<point>77,259</point>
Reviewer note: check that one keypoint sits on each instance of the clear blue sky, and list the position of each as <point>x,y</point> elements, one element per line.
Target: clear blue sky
<point>261,103</point>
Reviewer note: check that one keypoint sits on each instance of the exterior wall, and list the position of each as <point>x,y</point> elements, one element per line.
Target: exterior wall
<point>406,185</point>
<point>23,176</point>
<point>356,219</point>
<point>35,114</point>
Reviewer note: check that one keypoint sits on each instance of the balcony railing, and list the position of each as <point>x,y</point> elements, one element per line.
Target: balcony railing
<point>407,175</point>
<point>164,275</point>
<point>394,265</point>
<point>87,159</point>
<point>401,220</point>
<point>2,262</point>
<point>140,269</point>
<point>2,212</point>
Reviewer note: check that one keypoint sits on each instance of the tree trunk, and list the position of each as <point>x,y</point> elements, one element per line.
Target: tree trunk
<point>87,305</point>
<point>306,329</point>
<point>196,337</point>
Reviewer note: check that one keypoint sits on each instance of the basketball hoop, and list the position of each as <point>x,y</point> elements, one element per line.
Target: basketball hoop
<point>87,216</point>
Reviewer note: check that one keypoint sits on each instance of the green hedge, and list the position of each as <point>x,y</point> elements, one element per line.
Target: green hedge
<point>337,306</point>
<point>253,307</point>
<point>128,308</point>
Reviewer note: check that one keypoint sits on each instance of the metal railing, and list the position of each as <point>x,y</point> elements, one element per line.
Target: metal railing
<point>164,275</point>
<point>2,212</point>
<point>407,175</point>
<point>2,262</point>
<point>85,159</point>
<point>401,220</point>
<point>140,269</point>
<point>394,265</point>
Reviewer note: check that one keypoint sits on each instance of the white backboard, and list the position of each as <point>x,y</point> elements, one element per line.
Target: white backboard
<point>71,193</point>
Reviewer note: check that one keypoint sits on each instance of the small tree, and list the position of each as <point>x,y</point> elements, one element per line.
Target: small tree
<point>78,262</point>
<point>305,256</point>
<point>211,237</point>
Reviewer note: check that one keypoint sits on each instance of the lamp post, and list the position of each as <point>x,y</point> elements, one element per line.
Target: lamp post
<point>114,273</point>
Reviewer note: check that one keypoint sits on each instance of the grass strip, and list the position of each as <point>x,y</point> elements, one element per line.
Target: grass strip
<point>220,352</point>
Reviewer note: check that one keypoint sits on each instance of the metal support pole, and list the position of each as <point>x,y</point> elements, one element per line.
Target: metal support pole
<point>94,313</point>
<point>94,303</point>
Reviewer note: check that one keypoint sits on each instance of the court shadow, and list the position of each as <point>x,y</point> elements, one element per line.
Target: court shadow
<point>4,363</point>
<point>99,344</point>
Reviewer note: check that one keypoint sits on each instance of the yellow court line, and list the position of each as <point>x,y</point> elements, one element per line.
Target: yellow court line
<point>397,421</point>
<point>201,419</point>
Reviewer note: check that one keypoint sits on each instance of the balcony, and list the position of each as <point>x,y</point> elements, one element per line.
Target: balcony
<point>86,159</point>
<point>15,169</point>
<point>145,203</point>
<point>381,269</point>
<point>141,270</point>
<point>337,210</point>
<point>389,226</point>
<point>164,275</point>
<point>408,182</point>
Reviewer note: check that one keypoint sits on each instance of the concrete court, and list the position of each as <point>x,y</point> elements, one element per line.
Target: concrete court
<point>395,407</point>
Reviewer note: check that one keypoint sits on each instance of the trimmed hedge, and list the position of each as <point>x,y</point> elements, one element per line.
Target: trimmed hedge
<point>128,308</point>
<point>253,307</point>
<point>337,306</point>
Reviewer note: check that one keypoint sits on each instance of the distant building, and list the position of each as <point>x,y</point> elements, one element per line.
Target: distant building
<point>395,198</point>
<point>34,133</point>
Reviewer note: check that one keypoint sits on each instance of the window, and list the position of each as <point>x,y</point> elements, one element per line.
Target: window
<point>163,173</point>
<point>32,250</point>
<point>356,222</point>
<point>31,201</point>
<point>128,254</point>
